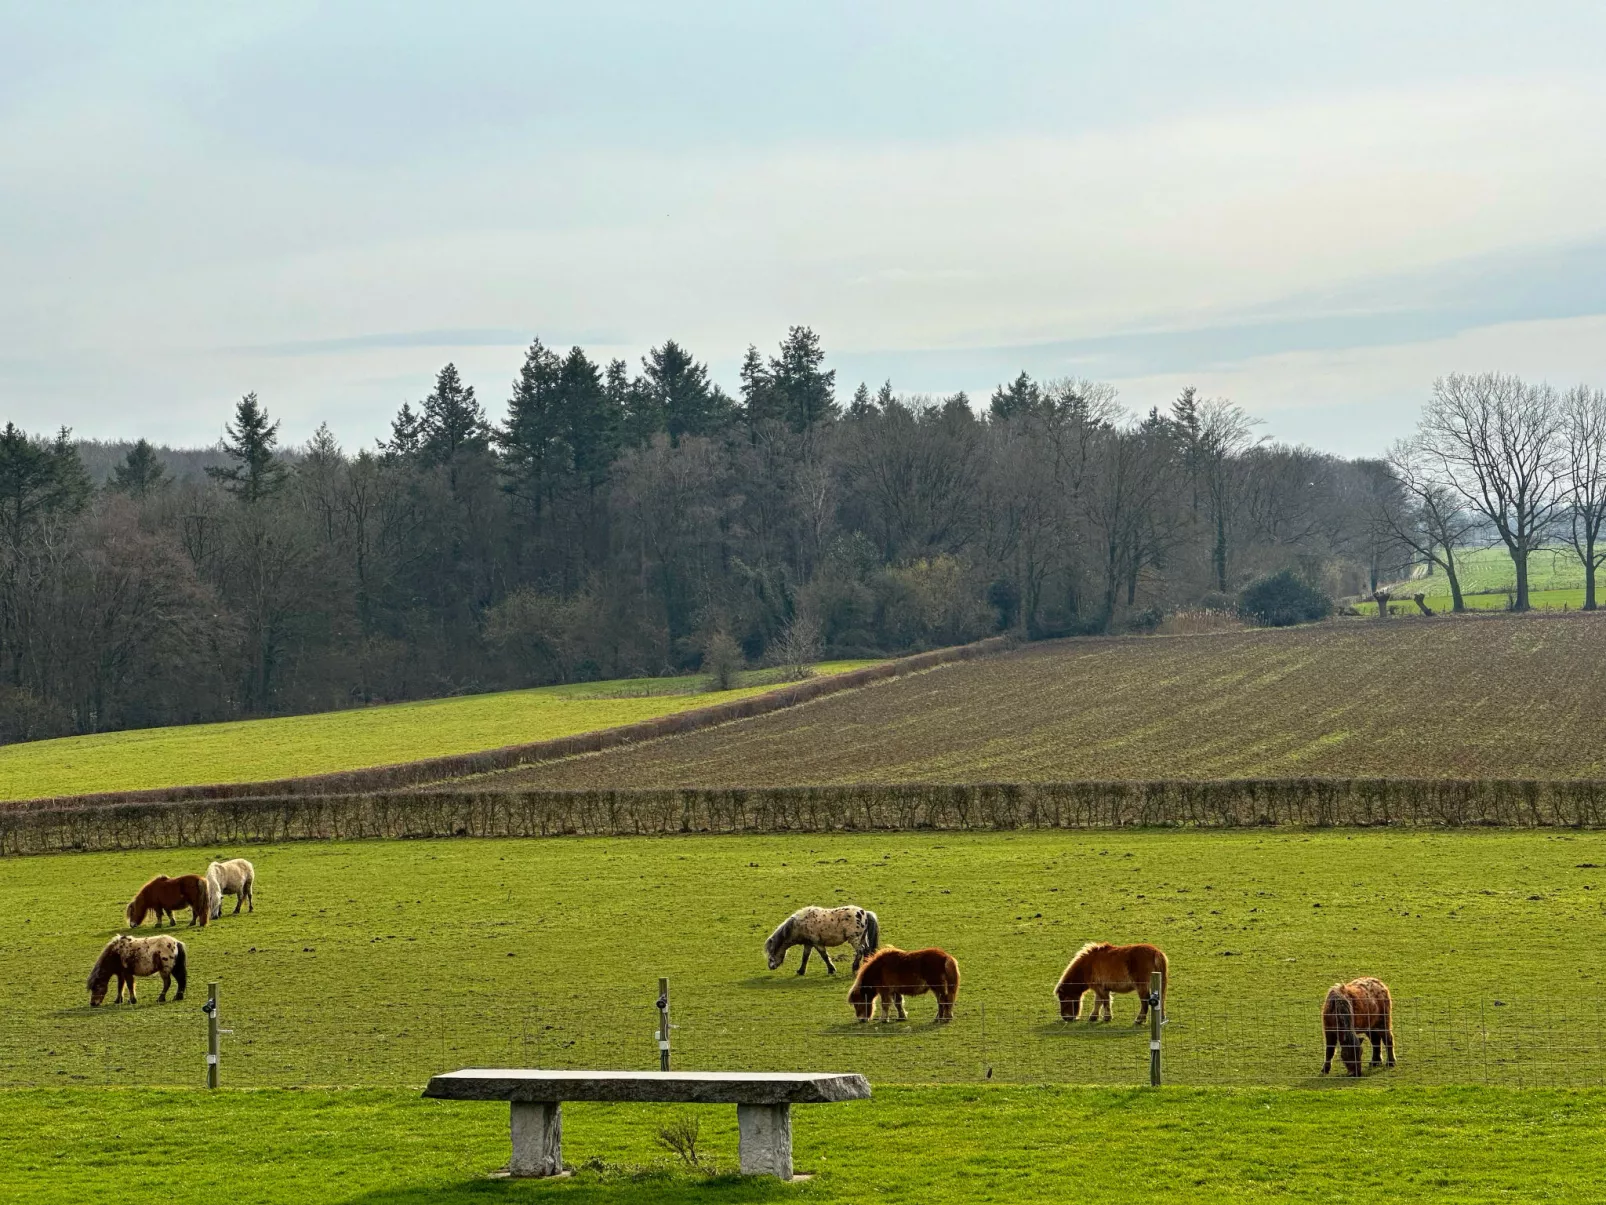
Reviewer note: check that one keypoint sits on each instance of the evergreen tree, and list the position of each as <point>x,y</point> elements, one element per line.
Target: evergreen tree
<point>452,420</point>
<point>591,425</point>
<point>38,479</point>
<point>1187,427</point>
<point>861,406</point>
<point>885,399</point>
<point>681,392</point>
<point>532,438</point>
<point>760,401</point>
<point>250,440</point>
<point>641,417</point>
<point>406,434</point>
<point>956,406</point>
<point>806,394</point>
<point>142,472</point>
<point>1020,396</point>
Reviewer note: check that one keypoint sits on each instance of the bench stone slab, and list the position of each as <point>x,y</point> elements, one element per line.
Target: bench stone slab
<point>660,1087</point>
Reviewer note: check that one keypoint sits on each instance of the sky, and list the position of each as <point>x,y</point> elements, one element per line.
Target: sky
<point>1311,210</point>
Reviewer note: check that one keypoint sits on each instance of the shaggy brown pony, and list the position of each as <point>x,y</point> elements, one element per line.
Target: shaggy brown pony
<point>125,957</point>
<point>1101,968</point>
<point>162,894</point>
<point>893,974</point>
<point>1353,1012</point>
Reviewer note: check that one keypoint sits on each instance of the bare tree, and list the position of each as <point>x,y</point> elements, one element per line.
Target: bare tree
<point>1223,438</point>
<point>1583,431</point>
<point>1498,443</point>
<point>1427,514</point>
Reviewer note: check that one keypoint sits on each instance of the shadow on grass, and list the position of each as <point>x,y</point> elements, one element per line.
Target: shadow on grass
<point>787,979</point>
<point>1081,1031</point>
<point>614,1187</point>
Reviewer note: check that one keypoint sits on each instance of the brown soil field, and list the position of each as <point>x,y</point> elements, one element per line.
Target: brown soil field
<point>1473,697</point>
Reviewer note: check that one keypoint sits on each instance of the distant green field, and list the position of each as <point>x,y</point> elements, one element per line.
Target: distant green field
<point>1555,572</point>
<point>290,746</point>
<point>938,1145</point>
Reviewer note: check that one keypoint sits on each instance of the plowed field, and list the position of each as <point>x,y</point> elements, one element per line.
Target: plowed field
<point>1476,697</point>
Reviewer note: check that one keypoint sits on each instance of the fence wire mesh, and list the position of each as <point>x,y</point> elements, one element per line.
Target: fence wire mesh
<point>1498,1040</point>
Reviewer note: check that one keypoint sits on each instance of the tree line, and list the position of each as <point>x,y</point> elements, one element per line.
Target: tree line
<point>611,522</point>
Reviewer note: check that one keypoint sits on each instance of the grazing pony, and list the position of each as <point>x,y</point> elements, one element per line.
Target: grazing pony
<point>126,957</point>
<point>1102,968</point>
<point>893,974</point>
<point>1353,1012</point>
<point>816,928</point>
<point>235,877</point>
<point>162,894</point>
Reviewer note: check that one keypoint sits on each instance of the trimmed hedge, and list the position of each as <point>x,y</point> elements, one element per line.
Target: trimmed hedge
<point>464,765</point>
<point>519,813</point>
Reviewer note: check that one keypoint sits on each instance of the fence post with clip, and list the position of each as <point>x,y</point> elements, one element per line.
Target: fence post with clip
<point>1155,980</point>
<point>210,1009</point>
<point>663,1024</point>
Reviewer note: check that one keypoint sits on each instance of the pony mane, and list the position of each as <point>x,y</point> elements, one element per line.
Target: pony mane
<point>1092,947</point>
<point>138,902</point>
<point>783,932</point>
<point>106,965</point>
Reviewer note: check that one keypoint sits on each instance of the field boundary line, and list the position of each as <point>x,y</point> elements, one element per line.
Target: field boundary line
<point>508,757</point>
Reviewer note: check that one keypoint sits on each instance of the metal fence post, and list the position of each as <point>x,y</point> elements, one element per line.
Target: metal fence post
<point>210,1008</point>
<point>663,1024</point>
<point>1154,1029</point>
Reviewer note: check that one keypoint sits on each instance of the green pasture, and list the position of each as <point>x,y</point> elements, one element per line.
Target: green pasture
<point>990,1143</point>
<point>291,746</point>
<point>380,963</point>
<point>1539,600</point>
<point>1490,571</point>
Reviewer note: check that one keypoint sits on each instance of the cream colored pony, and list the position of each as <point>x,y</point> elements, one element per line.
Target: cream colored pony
<point>235,877</point>
<point>125,957</point>
<point>817,928</point>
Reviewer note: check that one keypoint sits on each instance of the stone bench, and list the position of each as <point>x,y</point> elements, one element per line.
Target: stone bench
<point>763,1103</point>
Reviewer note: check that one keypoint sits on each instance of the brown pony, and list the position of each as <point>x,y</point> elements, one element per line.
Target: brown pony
<point>162,894</point>
<point>892,974</point>
<point>1102,968</point>
<point>1353,1012</point>
<point>125,957</point>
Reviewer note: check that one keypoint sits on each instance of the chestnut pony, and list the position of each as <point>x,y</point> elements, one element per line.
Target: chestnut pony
<point>891,974</point>
<point>1101,968</point>
<point>1353,1012</point>
<point>162,894</point>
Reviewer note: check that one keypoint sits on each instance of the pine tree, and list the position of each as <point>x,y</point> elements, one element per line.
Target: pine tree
<point>531,438</point>
<point>760,401</point>
<point>591,425</point>
<point>452,420</point>
<point>141,473</point>
<point>250,440</point>
<point>956,406</point>
<point>1021,396</point>
<point>406,434</point>
<point>885,399</point>
<point>861,406</point>
<point>806,394</point>
<point>641,416</point>
<point>38,478</point>
<point>680,388</point>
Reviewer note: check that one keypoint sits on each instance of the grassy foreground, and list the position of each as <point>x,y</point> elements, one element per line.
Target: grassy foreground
<point>380,963</point>
<point>290,746</point>
<point>1470,697</point>
<point>927,1144</point>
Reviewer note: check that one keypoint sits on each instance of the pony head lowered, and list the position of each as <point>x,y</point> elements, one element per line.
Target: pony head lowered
<point>105,970</point>
<point>778,942</point>
<point>1078,978</point>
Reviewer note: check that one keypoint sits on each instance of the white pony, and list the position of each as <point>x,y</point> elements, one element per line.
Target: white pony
<point>235,877</point>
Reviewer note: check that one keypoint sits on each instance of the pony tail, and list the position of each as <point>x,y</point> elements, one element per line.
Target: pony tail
<point>181,969</point>
<point>872,933</point>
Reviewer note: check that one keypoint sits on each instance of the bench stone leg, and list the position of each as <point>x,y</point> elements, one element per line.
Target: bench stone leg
<point>537,1139</point>
<point>766,1140</point>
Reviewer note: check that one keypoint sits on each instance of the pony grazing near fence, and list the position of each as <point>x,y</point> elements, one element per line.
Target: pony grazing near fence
<point>817,928</point>
<point>162,894</point>
<point>124,958</point>
<point>236,877</point>
<point>1353,1012</point>
<point>892,974</point>
<point>1101,968</point>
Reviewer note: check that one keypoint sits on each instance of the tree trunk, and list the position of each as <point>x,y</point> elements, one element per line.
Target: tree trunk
<point>1589,573</point>
<point>1219,554</point>
<point>1521,561</point>
<point>1456,603</point>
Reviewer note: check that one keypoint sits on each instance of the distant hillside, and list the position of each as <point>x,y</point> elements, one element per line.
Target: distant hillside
<point>1475,697</point>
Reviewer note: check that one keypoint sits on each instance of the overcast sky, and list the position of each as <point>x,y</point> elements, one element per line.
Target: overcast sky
<point>1313,213</point>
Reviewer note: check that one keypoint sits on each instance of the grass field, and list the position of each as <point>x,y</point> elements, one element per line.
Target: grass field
<point>928,1144</point>
<point>258,750</point>
<point>1490,571</point>
<point>1511,696</point>
<point>380,963</point>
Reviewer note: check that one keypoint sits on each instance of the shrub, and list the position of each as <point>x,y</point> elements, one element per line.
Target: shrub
<point>1283,599</point>
<point>722,661</point>
<point>797,647</point>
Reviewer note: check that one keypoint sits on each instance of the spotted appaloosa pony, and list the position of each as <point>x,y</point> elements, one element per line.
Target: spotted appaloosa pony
<point>162,894</point>
<point>892,974</point>
<point>817,928</point>
<point>1101,968</point>
<point>125,957</point>
<point>236,877</point>
<point>1353,1012</point>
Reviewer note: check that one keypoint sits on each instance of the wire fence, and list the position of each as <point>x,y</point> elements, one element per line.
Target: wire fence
<point>1522,1043</point>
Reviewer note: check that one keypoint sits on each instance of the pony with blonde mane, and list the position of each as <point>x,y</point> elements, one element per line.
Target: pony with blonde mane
<point>1101,968</point>
<point>236,877</point>
<point>124,958</point>
<point>161,895</point>
<point>1353,1012</point>
<point>891,974</point>
<point>817,928</point>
